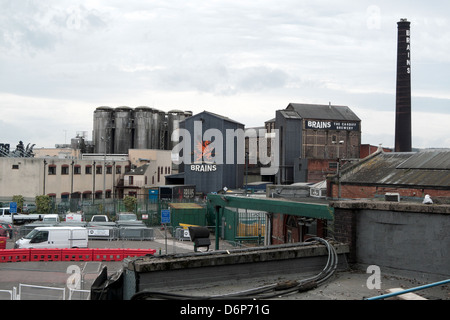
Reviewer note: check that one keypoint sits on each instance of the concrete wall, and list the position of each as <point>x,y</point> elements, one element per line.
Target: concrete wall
<point>30,177</point>
<point>406,238</point>
<point>167,273</point>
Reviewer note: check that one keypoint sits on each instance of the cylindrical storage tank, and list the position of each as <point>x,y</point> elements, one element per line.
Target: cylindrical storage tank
<point>103,128</point>
<point>173,123</point>
<point>143,117</point>
<point>158,127</point>
<point>123,136</point>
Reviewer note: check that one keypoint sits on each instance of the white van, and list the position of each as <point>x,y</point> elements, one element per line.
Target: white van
<point>54,237</point>
<point>51,218</point>
<point>5,215</point>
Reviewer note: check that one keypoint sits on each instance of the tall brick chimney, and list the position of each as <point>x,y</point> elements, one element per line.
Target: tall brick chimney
<point>403,92</point>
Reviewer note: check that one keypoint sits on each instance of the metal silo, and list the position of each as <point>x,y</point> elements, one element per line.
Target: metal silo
<point>173,123</point>
<point>143,122</point>
<point>103,130</point>
<point>157,130</point>
<point>124,133</point>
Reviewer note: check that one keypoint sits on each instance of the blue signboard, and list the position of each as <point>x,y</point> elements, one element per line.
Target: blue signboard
<point>165,216</point>
<point>13,207</point>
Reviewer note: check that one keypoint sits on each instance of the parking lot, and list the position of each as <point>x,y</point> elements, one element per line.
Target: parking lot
<point>344,285</point>
<point>57,273</point>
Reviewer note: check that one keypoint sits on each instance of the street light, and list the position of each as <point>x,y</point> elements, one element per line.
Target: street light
<point>104,174</point>
<point>338,143</point>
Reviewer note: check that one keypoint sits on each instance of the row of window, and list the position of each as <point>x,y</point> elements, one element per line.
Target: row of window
<point>52,169</point>
<point>87,195</point>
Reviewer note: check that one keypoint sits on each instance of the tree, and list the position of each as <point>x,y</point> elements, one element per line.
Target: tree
<point>129,203</point>
<point>43,204</point>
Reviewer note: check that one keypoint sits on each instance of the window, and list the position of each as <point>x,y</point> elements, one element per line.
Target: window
<point>88,170</point>
<point>130,180</point>
<point>87,195</point>
<point>65,169</point>
<point>51,169</point>
<point>109,170</point>
<point>98,170</point>
<point>77,170</point>
<point>40,236</point>
<point>118,170</point>
<point>15,166</point>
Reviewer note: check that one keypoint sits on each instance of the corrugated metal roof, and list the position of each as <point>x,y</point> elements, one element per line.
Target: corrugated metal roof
<point>428,160</point>
<point>392,168</point>
<point>290,114</point>
<point>325,112</point>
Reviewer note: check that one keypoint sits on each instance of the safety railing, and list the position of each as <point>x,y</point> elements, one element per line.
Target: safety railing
<point>393,294</point>
<point>34,292</point>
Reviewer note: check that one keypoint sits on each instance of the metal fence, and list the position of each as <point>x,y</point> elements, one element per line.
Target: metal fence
<point>236,226</point>
<point>36,292</point>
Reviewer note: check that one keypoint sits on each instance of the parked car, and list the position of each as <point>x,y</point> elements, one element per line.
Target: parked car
<point>7,228</point>
<point>29,208</point>
<point>6,216</point>
<point>51,218</point>
<point>54,237</point>
<point>99,218</point>
<point>128,219</point>
<point>74,217</point>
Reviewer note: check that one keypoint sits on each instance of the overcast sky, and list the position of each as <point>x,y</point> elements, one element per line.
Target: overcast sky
<point>60,60</point>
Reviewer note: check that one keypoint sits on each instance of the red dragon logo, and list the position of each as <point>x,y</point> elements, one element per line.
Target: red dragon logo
<point>204,153</point>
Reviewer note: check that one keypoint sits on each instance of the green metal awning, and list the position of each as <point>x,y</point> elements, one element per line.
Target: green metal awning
<point>301,209</point>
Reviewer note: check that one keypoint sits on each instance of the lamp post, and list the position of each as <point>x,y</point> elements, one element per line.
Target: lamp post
<point>338,143</point>
<point>104,174</point>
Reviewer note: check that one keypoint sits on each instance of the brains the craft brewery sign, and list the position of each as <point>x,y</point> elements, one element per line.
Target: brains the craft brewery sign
<point>332,125</point>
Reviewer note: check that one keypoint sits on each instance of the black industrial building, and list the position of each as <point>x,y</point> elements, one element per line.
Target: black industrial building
<point>314,139</point>
<point>204,154</point>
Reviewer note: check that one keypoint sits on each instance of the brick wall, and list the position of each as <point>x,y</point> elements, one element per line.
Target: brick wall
<point>278,228</point>
<point>362,192</point>
<point>345,229</point>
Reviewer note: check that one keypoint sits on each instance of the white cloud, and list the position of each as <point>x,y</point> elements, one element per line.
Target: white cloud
<point>242,59</point>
